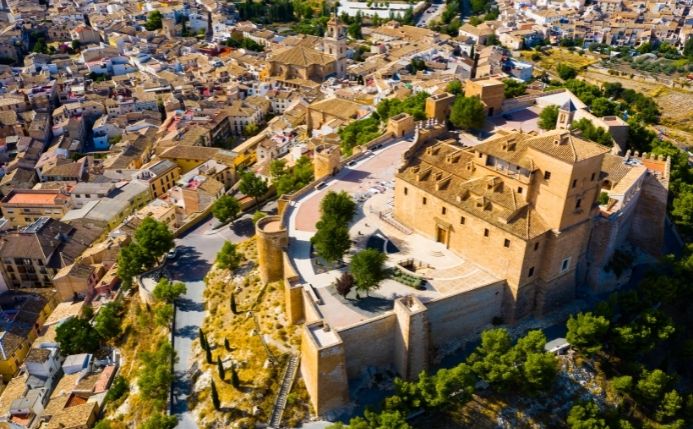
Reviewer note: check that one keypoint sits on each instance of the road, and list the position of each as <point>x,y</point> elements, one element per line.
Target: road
<point>433,12</point>
<point>196,252</point>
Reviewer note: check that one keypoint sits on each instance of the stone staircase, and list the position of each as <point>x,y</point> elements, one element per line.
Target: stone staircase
<point>287,383</point>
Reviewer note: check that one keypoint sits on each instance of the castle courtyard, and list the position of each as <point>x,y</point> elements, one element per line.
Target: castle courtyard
<point>370,180</point>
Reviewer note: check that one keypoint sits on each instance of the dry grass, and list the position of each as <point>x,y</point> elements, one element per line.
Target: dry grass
<point>140,333</point>
<point>253,400</point>
<point>555,56</point>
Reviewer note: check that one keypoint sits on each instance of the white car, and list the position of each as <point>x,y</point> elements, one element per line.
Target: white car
<point>172,253</point>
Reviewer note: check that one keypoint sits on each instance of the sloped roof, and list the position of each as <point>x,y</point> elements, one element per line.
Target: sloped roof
<point>301,56</point>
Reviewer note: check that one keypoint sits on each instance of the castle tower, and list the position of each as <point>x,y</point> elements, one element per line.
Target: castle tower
<point>565,115</point>
<point>334,44</point>
<point>272,238</point>
<point>326,160</point>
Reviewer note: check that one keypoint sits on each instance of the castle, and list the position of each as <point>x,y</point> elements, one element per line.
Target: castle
<point>503,230</point>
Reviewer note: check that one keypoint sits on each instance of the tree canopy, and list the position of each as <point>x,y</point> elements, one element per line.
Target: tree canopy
<point>467,113</point>
<point>368,269</point>
<point>226,208</point>
<point>228,257</point>
<point>253,186</point>
<point>289,180</point>
<point>155,376</point>
<point>77,335</point>
<point>513,88</point>
<point>168,291</point>
<point>339,206</point>
<point>153,21</point>
<point>107,320</point>
<point>587,332</point>
<point>154,238</point>
<point>548,117</point>
<point>331,240</point>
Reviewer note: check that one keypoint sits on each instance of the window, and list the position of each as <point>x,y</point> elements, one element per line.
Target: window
<point>531,272</point>
<point>480,154</point>
<point>578,203</point>
<point>406,190</point>
<point>592,178</point>
<point>547,175</point>
<point>519,190</point>
<point>462,220</point>
<point>486,232</point>
<point>443,210</point>
<point>574,183</point>
<point>565,264</point>
<point>423,201</point>
<point>506,243</point>
<point>536,246</point>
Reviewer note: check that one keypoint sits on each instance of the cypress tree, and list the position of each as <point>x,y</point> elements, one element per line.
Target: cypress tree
<point>203,340</point>
<point>215,396</point>
<point>220,367</point>
<point>234,377</point>
<point>227,345</point>
<point>233,304</point>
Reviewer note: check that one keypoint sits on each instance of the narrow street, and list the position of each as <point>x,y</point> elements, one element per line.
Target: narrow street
<point>197,250</point>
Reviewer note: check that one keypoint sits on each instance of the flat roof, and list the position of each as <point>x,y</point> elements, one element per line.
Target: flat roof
<point>34,198</point>
<point>323,337</point>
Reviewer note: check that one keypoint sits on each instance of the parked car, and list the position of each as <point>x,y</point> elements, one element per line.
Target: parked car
<point>172,254</point>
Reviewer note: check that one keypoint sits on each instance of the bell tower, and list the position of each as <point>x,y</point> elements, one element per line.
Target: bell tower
<point>565,115</point>
<point>334,44</point>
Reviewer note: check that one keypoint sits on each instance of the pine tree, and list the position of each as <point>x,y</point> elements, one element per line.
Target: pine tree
<point>234,377</point>
<point>220,367</point>
<point>215,396</point>
<point>233,303</point>
<point>227,345</point>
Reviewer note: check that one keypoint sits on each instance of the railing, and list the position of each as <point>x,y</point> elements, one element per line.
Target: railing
<point>287,383</point>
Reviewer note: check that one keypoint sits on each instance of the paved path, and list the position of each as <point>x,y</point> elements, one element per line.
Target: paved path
<point>197,250</point>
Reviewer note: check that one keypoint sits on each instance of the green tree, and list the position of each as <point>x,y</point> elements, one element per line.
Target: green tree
<point>623,384</point>
<point>154,238</point>
<point>132,261</point>
<point>587,332</point>
<point>331,240</point>
<point>565,71</point>
<point>76,335</point>
<point>368,269</point>
<point>652,385</point>
<point>226,208</point>
<point>232,304</point>
<point>168,291</point>
<point>467,113</point>
<point>228,256</point>
<point>586,416</point>
<point>253,186</point>
<point>155,376</point>
<point>251,129</point>
<point>454,87</point>
<point>119,388</point>
<point>670,406</point>
<point>163,314</point>
<point>203,340</point>
<point>548,117</point>
<point>287,181</point>
<point>159,421</point>
<point>107,320</point>
<point>602,106</point>
<point>338,206</point>
<point>153,21</point>
<point>513,88</point>
<point>227,345</point>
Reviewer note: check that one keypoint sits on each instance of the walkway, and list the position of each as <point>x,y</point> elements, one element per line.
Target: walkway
<point>197,250</point>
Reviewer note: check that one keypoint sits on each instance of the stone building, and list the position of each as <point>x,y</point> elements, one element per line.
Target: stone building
<point>295,64</point>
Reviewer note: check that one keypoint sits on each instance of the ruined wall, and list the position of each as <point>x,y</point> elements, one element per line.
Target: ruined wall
<point>456,316</point>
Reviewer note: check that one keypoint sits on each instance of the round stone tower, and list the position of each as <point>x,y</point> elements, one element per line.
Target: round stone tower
<point>272,238</point>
